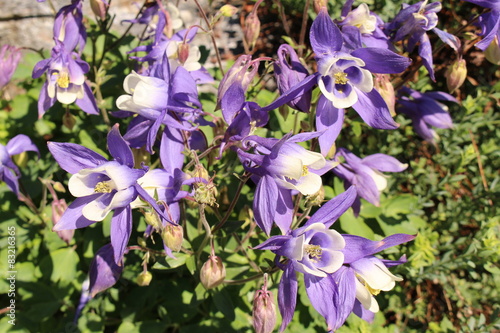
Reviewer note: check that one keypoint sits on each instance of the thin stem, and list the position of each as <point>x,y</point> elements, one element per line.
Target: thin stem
<point>208,232</point>
<point>146,249</point>
<point>480,164</point>
<point>252,278</point>
<point>284,21</point>
<point>302,36</point>
<point>243,180</point>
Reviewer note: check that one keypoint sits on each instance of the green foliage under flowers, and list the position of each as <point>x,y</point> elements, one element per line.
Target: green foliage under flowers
<point>448,196</point>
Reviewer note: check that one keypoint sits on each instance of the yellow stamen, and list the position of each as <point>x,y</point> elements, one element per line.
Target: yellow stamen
<point>305,171</point>
<point>314,252</point>
<point>63,80</point>
<point>372,291</point>
<point>340,78</point>
<point>102,187</point>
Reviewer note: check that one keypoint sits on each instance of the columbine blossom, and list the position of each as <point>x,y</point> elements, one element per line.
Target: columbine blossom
<point>280,166</point>
<point>345,79</point>
<point>338,269</point>
<point>366,174</point>
<point>69,28</point>
<point>65,81</point>
<point>101,186</point>
<point>426,110</point>
<point>9,59</point>
<point>9,172</point>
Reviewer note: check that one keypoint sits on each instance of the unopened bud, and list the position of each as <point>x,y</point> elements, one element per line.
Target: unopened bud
<point>206,194</point>
<point>144,279</point>
<point>251,29</point>
<point>172,236</point>
<point>264,311</point>
<point>99,7</point>
<point>151,217</point>
<point>58,209</point>
<point>456,74</point>
<point>386,90</point>
<point>183,52</point>
<point>317,198</point>
<point>59,187</point>
<point>228,10</point>
<point>318,4</point>
<point>492,53</point>
<point>212,272</point>
<point>69,120</point>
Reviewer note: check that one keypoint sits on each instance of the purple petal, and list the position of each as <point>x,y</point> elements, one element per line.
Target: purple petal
<point>358,247</point>
<point>425,52</point>
<point>329,120</point>
<point>119,148</point>
<point>153,131</point>
<point>493,4</point>
<point>382,61</point>
<point>287,296</point>
<point>295,92</point>
<point>121,228</point>
<point>104,272</point>
<point>374,111</point>
<point>171,148</point>
<point>10,178</point>
<point>73,217</point>
<point>360,311</point>
<point>284,210</point>
<point>273,243</point>
<point>384,163</point>
<point>73,157</point>
<point>232,102</point>
<point>325,36</point>
<point>265,201</point>
<point>44,101</point>
<point>333,209</point>
<point>87,103</point>
<point>20,143</point>
<point>144,195</point>
<point>448,38</point>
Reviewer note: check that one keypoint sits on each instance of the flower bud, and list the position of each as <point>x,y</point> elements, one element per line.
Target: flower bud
<point>206,194</point>
<point>69,120</point>
<point>456,74</point>
<point>212,272</point>
<point>58,209</point>
<point>492,53</point>
<point>183,52</point>
<point>9,59</point>
<point>172,236</point>
<point>264,311</point>
<point>251,29</point>
<point>386,90</point>
<point>59,187</point>
<point>144,279</point>
<point>151,217</point>
<point>99,7</point>
<point>228,10</point>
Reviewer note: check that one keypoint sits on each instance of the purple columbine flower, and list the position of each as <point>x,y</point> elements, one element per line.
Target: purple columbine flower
<point>490,26</point>
<point>280,167</point>
<point>331,263</point>
<point>289,72</point>
<point>69,28</point>
<point>103,274</point>
<point>65,81</point>
<point>9,59</point>
<point>366,174</point>
<point>426,110</point>
<point>9,172</point>
<point>345,79</point>
<point>101,186</point>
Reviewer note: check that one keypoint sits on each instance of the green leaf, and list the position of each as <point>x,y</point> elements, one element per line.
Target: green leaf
<point>224,304</point>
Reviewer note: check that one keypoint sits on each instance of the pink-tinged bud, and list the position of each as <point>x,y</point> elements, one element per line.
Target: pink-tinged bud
<point>144,279</point>
<point>492,53</point>
<point>228,10</point>
<point>183,52</point>
<point>69,121</point>
<point>9,59</point>
<point>264,311</point>
<point>456,74</point>
<point>99,7</point>
<point>172,236</point>
<point>318,4</point>
<point>58,209</point>
<point>212,272</point>
<point>386,90</point>
<point>251,29</point>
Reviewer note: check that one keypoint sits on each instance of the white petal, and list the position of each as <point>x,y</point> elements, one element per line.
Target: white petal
<point>366,84</point>
<point>131,81</point>
<point>67,96</point>
<point>337,260</point>
<point>309,184</point>
<point>379,179</point>
<point>377,276</point>
<point>365,297</point>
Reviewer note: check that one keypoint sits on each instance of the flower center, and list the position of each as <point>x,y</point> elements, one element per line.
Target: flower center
<point>313,251</point>
<point>305,171</point>
<point>63,80</point>
<point>102,187</point>
<point>340,78</point>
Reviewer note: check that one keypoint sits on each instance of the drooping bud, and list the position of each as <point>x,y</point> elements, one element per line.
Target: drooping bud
<point>9,59</point>
<point>318,4</point>
<point>104,272</point>
<point>251,28</point>
<point>492,53</point>
<point>99,7</point>
<point>212,272</point>
<point>58,208</point>
<point>144,279</point>
<point>172,236</point>
<point>456,74</point>
<point>289,72</point>
<point>59,187</point>
<point>69,120</point>
<point>153,219</point>
<point>385,88</point>
<point>183,52</point>
<point>264,310</point>
<point>228,10</point>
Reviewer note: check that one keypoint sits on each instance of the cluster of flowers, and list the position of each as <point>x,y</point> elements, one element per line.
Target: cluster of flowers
<point>354,57</point>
